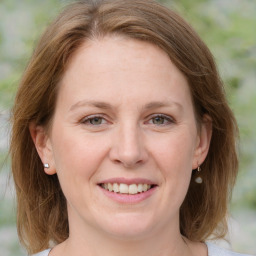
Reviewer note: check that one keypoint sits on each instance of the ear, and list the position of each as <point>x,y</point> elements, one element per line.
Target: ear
<point>43,146</point>
<point>203,141</point>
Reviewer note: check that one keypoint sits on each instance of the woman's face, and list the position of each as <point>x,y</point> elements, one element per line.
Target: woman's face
<point>124,121</point>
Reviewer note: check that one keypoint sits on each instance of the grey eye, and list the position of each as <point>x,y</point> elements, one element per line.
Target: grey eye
<point>158,120</point>
<point>96,120</point>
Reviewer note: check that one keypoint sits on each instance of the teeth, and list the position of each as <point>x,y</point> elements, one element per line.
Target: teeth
<point>140,187</point>
<point>133,189</point>
<point>115,187</point>
<point>123,188</point>
<point>110,187</point>
<point>126,189</point>
<point>145,187</point>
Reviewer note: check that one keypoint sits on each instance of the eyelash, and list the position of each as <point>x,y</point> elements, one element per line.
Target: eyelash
<point>88,119</point>
<point>167,120</point>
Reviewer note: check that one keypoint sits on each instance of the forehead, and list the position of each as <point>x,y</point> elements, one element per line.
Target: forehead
<point>124,51</point>
<point>117,67</point>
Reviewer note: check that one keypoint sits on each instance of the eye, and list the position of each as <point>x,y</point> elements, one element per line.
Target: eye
<point>161,119</point>
<point>94,120</point>
<point>158,120</point>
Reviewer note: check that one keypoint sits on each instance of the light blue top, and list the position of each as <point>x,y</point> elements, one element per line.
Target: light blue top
<point>213,250</point>
<point>43,253</point>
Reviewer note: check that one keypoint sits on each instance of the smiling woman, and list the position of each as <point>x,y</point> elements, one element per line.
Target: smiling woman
<point>119,108</point>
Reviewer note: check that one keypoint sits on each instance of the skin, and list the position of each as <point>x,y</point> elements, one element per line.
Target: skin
<point>134,135</point>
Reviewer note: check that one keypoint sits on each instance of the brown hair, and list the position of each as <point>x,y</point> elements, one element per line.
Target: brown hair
<point>41,209</point>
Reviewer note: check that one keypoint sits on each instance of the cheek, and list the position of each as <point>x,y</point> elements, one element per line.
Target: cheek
<point>174,158</point>
<point>77,159</point>
<point>174,152</point>
<point>76,154</point>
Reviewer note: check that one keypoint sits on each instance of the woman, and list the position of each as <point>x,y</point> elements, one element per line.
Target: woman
<point>122,141</point>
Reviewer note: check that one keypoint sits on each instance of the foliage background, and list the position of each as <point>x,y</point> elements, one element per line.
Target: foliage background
<point>229,29</point>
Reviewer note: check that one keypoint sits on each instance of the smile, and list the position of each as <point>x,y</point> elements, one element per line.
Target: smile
<point>122,188</point>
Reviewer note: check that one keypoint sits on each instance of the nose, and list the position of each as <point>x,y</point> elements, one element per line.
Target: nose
<point>128,147</point>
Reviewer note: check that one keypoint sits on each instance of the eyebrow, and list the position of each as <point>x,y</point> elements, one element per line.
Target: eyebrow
<point>91,103</point>
<point>160,104</point>
<point>105,105</point>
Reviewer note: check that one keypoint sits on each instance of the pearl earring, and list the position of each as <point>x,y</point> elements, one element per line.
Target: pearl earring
<point>198,179</point>
<point>46,165</point>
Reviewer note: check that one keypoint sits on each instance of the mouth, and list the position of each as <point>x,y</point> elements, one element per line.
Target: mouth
<point>129,189</point>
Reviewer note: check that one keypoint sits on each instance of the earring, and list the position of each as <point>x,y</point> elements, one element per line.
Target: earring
<point>198,179</point>
<point>46,165</point>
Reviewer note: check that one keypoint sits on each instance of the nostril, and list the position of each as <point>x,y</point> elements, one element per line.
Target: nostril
<point>127,164</point>
<point>127,153</point>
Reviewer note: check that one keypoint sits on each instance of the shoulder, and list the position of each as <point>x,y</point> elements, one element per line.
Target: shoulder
<point>43,253</point>
<point>214,250</point>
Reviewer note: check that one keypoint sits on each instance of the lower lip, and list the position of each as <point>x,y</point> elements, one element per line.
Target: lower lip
<point>127,198</point>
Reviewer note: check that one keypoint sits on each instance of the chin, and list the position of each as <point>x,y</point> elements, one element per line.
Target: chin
<point>129,226</point>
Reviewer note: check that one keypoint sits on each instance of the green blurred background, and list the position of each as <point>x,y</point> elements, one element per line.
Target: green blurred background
<point>229,29</point>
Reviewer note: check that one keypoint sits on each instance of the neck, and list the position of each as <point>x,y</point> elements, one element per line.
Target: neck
<point>117,247</point>
<point>93,243</point>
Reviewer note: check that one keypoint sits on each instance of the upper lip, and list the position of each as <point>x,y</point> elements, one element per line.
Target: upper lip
<point>123,180</point>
